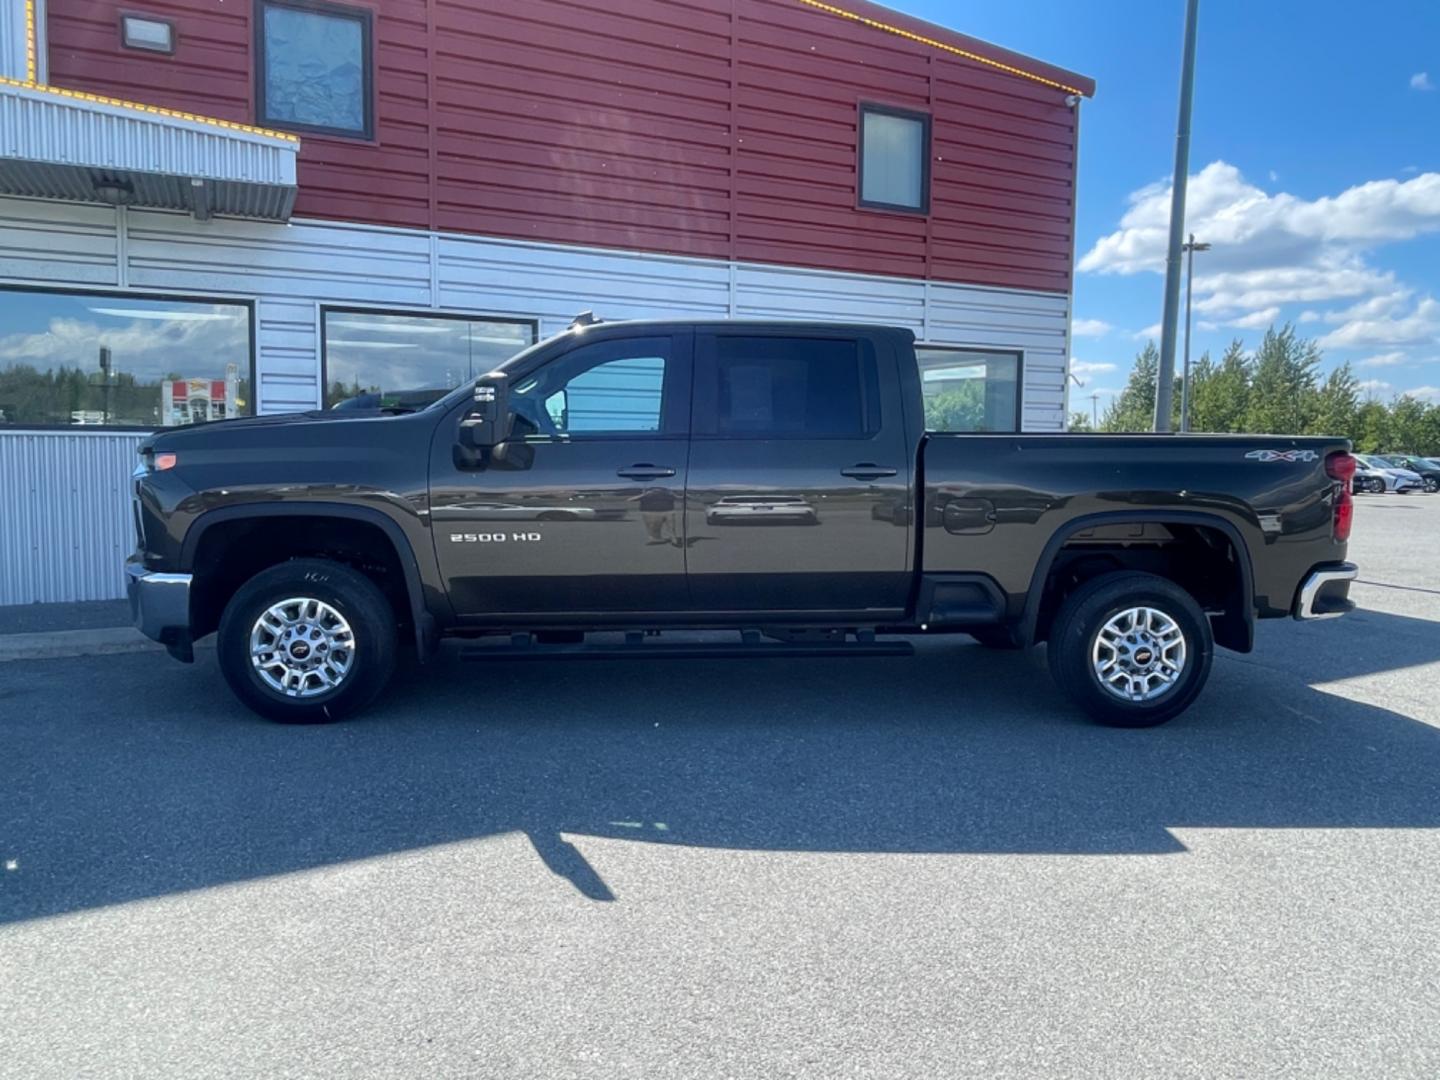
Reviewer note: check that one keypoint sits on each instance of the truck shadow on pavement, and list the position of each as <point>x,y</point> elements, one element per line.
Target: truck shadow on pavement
<point>144,778</point>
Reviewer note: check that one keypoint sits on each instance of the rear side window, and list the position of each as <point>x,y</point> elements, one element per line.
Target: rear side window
<point>763,387</point>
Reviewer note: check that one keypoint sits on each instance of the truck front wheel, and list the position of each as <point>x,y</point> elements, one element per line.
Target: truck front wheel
<point>308,641</point>
<point>1131,649</point>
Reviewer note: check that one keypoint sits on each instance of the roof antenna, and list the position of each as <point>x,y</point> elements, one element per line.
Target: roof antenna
<point>585,318</point>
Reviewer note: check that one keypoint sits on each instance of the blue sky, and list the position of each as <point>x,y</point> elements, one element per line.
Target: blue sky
<point>1314,162</point>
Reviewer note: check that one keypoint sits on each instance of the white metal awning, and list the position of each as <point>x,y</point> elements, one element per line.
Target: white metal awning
<point>62,144</point>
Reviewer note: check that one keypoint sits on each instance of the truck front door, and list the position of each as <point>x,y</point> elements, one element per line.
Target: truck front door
<point>586,516</point>
<point>798,495</point>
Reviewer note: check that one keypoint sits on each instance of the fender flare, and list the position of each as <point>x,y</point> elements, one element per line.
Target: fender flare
<point>420,618</point>
<point>1036,593</point>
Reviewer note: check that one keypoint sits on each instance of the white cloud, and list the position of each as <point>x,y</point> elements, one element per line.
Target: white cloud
<point>1151,331</point>
<point>1274,177</point>
<point>1082,367</point>
<point>1420,326</point>
<point>143,347</point>
<point>1389,359</point>
<point>1309,317</point>
<point>1270,250</point>
<point>1090,327</point>
<point>1375,387</point>
<point>1421,81</point>
<point>1257,320</point>
<point>1424,393</point>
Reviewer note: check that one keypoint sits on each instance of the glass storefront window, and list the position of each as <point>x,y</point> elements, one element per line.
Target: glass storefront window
<point>969,390</point>
<point>107,359</point>
<point>412,359</point>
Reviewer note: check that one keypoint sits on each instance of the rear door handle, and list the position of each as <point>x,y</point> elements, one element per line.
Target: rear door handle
<point>867,471</point>
<point>645,471</point>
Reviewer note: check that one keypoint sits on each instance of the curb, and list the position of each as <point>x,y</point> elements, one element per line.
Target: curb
<point>61,643</point>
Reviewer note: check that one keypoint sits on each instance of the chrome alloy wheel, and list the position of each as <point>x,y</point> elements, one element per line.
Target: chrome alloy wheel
<point>1139,654</point>
<point>302,647</point>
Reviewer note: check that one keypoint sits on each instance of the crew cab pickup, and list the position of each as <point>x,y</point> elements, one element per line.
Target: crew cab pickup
<point>779,480</point>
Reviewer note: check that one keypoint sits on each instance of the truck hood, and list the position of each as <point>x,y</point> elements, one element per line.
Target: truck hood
<point>190,434</point>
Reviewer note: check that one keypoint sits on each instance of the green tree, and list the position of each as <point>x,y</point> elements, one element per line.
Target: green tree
<point>1282,388</point>
<point>957,408</point>
<point>1134,407</point>
<point>1079,423</point>
<point>1337,404</point>
<point>1407,426</point>
<point>1372,428</point>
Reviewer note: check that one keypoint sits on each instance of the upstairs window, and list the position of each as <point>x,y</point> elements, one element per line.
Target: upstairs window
<point>314,68</point>
<point>894,159</point>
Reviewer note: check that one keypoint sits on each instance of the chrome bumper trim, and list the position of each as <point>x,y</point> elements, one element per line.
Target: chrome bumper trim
<point>158,602</point>
<point>1318,579</point>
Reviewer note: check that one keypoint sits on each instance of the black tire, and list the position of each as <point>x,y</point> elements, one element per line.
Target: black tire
<point>356,599</point>
<point>1431,485</point>
<point>1377,486</point>
<point>1080,620</point>
<point>994,637</point>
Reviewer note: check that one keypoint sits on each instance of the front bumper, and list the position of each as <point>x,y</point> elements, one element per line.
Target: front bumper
<point>1325,592</point>
<point>160,606</point>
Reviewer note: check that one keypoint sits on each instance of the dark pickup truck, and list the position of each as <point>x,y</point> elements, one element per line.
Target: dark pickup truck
<point>778,480</point>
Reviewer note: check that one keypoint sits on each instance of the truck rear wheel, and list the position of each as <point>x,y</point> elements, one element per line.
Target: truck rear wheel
<point>308,641</point>
<point>1132,650</point>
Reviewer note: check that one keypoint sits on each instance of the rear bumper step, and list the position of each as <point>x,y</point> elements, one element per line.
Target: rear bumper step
<point>1325,593</point>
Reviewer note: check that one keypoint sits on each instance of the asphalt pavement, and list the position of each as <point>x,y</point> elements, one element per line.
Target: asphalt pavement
<point>923,867</point>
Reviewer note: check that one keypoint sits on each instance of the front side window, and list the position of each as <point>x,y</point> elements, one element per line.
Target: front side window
<point>412,360</point>
<point>607,388</point>
<point>107,359</point>
<point>969,390</point>
<point>314,67</point>
<point>894,159</point>
<point>760,387</point>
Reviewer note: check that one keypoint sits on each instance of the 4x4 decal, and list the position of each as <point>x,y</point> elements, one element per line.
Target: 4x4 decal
<point>1283,455</point>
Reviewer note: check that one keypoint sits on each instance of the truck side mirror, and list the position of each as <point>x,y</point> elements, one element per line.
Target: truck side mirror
<point>489,420</point>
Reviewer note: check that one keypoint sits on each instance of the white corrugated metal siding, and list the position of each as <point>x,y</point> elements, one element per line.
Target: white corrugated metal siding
<point>12,39</point>
<point>291,271</point>
<point>65,528</point>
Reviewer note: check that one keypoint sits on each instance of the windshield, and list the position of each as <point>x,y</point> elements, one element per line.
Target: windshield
<point>465,389</point>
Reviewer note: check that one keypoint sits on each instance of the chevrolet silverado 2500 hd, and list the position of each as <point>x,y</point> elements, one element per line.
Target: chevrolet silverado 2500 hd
<point>776,479</point>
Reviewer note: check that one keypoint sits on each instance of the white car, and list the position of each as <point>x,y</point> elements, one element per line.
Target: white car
<point>1368,480</point>
<point>1396,480</point>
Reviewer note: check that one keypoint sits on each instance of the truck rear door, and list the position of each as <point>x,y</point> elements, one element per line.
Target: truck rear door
<point>798,495</point>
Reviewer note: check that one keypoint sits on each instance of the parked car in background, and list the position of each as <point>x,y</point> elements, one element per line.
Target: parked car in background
<point>1428,469</point>
<point>1396,479</point>
<point>1368,479</point>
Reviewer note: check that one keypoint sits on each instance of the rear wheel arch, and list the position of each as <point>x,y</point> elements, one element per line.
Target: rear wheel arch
<point>1234,630</point>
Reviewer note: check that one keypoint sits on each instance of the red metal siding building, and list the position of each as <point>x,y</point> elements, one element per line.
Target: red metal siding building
<point>719,129</point>
<point>299,201</point>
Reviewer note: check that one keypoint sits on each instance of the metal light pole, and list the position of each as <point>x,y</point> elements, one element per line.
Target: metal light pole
<point>1165,382</point>
<point>1190,247</point>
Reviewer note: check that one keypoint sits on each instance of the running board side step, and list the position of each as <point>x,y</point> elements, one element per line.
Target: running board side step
<point>635,647</point>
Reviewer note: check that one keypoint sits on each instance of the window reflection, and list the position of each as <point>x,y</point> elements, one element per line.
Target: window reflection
<point>968,390</point>
<point>111,359</point>
<point>412,359</point>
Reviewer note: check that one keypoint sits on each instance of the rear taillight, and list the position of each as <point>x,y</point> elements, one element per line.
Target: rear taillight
<point>1340,467</point>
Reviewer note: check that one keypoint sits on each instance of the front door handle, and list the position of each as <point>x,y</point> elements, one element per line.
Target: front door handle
<point>645,471</point>
<point>867,471</point>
